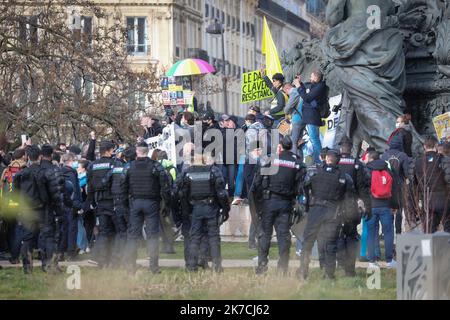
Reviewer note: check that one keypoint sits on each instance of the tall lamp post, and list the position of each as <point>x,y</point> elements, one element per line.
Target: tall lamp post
<point>217,28</point>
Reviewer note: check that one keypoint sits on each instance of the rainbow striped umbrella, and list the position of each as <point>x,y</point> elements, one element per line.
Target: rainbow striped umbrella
<point>190,67</point>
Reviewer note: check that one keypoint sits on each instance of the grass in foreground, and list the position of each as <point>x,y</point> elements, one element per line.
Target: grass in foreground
<point>175,283</point>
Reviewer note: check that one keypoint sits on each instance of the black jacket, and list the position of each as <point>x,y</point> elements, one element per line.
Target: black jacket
<point>313,95</point>
<point>392,203</point>
<point>279,96</point>
<point>72,175</point>
<point>432,170</point>
<point>154,130</point>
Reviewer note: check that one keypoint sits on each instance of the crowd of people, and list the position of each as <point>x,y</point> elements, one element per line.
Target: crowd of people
<point>66,201</point>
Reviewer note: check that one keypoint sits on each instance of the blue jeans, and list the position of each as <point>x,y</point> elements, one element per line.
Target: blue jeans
<point>229,174</point>
<point>364,238</point>
<point>239,181</point>
<point>313,132</point>
<point>385,216</point>
<point>82,241</point>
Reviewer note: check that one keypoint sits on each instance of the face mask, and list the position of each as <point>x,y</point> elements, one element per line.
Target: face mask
<point>398,125</point>
<point>75,165</point>
<point>81,175</point>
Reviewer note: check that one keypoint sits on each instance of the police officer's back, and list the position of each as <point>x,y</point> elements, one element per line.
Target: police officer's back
<point>348,235</point>
<point>52,178</point>
<point>33,199</point>
<point>325,191</point>
<point>203,187</point>
<point>277,190</point>
<point>100,197</point>
<point>146,183</point>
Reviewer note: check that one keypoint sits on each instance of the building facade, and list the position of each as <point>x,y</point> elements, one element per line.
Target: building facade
<point>164,31</point>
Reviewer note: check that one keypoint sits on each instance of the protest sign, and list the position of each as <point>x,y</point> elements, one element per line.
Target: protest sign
<point>442,125</point>
<point>165,141</point>
<point>254,87</point>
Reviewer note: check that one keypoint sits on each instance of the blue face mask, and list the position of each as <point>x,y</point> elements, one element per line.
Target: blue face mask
<point>75,165</point>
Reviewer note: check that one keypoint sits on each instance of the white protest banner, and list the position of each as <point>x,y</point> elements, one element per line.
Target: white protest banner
<point>165,141</point>
<point>327,132</point>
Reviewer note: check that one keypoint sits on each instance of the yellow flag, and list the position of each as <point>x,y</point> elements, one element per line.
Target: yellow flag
<point>269,49</point>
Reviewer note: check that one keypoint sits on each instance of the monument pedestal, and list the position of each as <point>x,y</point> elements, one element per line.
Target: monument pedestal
<point>238,225</point>
<point>423,269</point>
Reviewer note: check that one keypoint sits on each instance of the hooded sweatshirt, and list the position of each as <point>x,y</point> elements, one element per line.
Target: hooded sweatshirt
<point>396,152</point>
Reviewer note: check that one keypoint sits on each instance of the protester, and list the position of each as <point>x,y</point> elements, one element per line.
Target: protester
<point>279,101</point>
<point>403,131</point>
<point>399,165</point>
<point>383,207</point>
<point>313,95</point>
<point>151,126</point>
<point>430,175</point>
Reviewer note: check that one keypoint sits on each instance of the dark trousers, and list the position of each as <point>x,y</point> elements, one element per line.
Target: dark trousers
<point>229,174</point>
<point>254,206</point>
<point>106,233</point>
<point>322,224</point>
<point>120,218</point>
<point>68,233</point>
<point>204,243</point>
<point>347,246</point>
<point>440,212</point>
<point>13,238</point>
<point>89,224</point>
<point>30,225</point>
<point>204,218</point>
<point>143,210</point>
<point>275,212</point>
<point>48,237</point>
<point>398,221</point>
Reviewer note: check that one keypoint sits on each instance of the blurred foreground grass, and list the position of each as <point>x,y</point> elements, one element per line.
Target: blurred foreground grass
<point>175,283</point>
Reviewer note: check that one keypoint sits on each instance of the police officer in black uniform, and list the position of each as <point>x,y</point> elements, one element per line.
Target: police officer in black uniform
<point>114,179</point>
<point>146,183</point>
<point>99,195</point>
<point>324,192</point>
<point>278,191</point>
<point>51,176</point>
<point>34,185</point>
<point>185,216</point>
<point>348,234</point>
<point>204,187</point>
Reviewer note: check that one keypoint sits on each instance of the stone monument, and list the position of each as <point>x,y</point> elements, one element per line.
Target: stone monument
<point>401,66</point>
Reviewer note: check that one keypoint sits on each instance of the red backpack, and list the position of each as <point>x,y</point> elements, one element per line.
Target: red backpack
<point>381,186</point>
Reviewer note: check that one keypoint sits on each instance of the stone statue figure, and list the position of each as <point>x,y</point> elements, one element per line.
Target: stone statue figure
<point>370,63</point>
<point>442,52</point>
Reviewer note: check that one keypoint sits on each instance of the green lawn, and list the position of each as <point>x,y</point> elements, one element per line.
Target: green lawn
<point>175,283</point>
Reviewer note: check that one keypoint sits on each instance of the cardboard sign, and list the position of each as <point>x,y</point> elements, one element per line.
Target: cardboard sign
<point>442,125</point>
<point>254,88</point>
